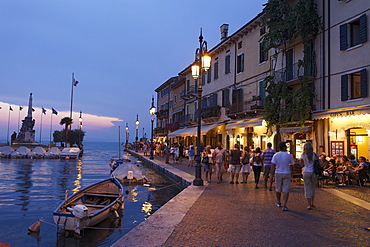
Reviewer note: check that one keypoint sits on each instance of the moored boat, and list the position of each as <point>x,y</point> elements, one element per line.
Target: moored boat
<point>6,151</point>
<point>90,206</point>
<point>53,153</point>
<point>37,152</point>
<point>70,153</point>
<point>128,173</point>
<point>20,153</point>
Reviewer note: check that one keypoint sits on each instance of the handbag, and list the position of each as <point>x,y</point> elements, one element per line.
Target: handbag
<point>317,167</point>
<point>205,160</point>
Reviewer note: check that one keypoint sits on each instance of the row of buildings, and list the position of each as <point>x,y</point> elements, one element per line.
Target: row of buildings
<point>335,65</point>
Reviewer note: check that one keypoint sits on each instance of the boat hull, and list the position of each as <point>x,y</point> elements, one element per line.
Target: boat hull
<point>100,199</point>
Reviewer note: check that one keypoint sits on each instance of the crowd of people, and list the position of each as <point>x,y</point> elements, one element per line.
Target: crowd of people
<point>276,167</point>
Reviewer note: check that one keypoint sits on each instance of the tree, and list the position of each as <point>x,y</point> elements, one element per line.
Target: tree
<point>75,136</point>
<point>66,121</point>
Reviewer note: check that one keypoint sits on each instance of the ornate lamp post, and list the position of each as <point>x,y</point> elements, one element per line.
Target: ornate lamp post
<point>137,132</point>
<point>202,62</point>
<point>152,112</point>
<point>126,135</point>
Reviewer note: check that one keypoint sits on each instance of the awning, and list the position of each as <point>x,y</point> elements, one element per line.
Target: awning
<point>294,129</point>
<point>244,123</point>
<point>192,131</point>
<point>341,112</point>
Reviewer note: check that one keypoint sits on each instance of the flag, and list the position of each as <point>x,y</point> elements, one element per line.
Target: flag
<point>10,108</point>
<point>43,110</point>
<point>33,109</point>
<point>20,108</point>
<point>74,81</point>
<point>54,111</point>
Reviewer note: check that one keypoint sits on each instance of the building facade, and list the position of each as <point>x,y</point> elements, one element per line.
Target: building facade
<point>334,63</point>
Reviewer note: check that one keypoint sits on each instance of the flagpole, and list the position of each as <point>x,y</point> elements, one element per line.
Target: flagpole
<point>41,124</point>
<point>70,112</point>
<point>51,125</point>
<point>19,117</point>
<point>7,137</point>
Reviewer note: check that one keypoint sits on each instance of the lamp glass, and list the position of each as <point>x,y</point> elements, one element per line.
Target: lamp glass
<point>206,61</point>
<point>152,110</point>
<point>195,71</point>
<point>137,122</point>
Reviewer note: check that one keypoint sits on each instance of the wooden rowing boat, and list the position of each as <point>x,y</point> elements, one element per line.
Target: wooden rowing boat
<point>90,206</point>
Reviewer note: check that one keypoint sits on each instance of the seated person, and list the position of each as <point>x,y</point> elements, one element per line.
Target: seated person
<point>341,175</point>
<point>360,172</point>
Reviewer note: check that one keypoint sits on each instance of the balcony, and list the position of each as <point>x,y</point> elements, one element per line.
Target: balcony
<point>188,119</point>
<point>190,93</point>
<point>250,107</point>
<point>162,114</point>
<point>292,73</point>
<point>159,131</point>
<point>211,114</point>
<point>171,126</point>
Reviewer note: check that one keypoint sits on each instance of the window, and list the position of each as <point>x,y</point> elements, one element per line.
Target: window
<point>225,97</point>
<point>237,96</point>
<point>262,31</point>
<point>209,75</point>
<point>213,100</point>
<point>227,64</point>
<point>308,54</point>
<point>240,63</point>
<point>240,45</point>
<point>263,51</point>
<point>203,78</point>
<point>171,104</point>
<point>175,99</point>
<point>353,33</point>
<point>215,73</point>
<point>289,73</point>
<point>354,85</point>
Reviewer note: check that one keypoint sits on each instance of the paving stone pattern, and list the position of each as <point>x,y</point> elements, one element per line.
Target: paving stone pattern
<point>239,215</point>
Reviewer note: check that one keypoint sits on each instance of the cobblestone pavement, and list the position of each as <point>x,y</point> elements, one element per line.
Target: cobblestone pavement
<point>239,215</point>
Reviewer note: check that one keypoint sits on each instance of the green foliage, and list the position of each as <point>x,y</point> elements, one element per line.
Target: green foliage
<point>75,136</point>
<point>285,23</point>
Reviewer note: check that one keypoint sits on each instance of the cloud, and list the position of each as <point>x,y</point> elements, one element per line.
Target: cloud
<point>90,122</point>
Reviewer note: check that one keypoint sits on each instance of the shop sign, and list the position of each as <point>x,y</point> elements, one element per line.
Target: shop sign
<point>342,114</point>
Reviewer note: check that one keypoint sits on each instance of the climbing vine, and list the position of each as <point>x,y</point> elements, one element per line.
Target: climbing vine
<point>284,24</point>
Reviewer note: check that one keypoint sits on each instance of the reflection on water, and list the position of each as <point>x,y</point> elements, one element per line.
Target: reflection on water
<point>33,188</point>
<point>79,176</point>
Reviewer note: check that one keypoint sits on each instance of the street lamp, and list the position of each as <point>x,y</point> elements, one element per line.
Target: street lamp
<point>202,62</point>
<point>137,130</point>
<point>126,135</point>
<point>152,112</point>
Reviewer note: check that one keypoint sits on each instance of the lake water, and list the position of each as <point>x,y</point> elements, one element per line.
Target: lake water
<point>31,189</point>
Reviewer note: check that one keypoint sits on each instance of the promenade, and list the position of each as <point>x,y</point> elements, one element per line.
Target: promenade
<point>239,215</point>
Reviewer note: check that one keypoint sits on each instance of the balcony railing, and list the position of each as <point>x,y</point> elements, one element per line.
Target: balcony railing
<point>249,106</point>
<point>188,119</point>
<point>293,72</point>
<point>162,114</point>
<point>211,112</point>
<point>160,131</point>
<point>172,126</point>
<point>191,92</point>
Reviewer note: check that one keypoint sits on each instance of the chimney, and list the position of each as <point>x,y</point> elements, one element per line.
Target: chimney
<point>224,29</point>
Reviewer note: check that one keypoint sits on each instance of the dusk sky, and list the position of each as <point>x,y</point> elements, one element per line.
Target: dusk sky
<point>119,51</point>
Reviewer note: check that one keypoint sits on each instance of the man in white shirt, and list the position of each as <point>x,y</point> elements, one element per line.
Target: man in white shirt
<point>283,164</point>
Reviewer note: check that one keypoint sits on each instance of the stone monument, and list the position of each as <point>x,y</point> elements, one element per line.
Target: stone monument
<point>27,133</point>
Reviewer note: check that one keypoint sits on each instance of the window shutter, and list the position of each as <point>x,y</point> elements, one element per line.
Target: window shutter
<point>209,75</point>
<point>204,102</point>
<point>242,62</point>
<point>344,87</point>
<point>343,37</point>
<point>363,75</point>
<point>214,99</point>
<point>203,78</point>
<point>227,64</point>
<point>363,29</point>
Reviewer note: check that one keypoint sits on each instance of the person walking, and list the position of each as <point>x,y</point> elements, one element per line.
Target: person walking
<point>246,166</point>
<point>257,166</point>
<point>207,159</point>
<point>267,155</point>
<point>181,152</point>
<point>235,156</point>
<point>283,164</point>
<point>309,177</point>
<point>191,156</point>
<point>219,156</point>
